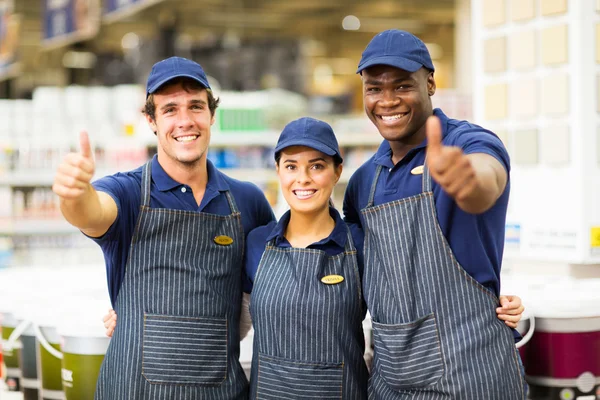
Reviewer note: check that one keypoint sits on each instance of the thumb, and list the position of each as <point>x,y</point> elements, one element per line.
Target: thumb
<point>84,145</point>
<point>504,301</point>
<point>433,130</point>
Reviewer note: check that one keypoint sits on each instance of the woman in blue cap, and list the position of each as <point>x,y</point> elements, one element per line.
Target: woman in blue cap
<point>304,275</point>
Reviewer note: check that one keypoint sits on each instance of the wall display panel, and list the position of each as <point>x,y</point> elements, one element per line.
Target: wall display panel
<point>526,147</point>
<point>598,92</point>
<point>598,145</point>
<point>556,145</point>
<point>555,45</point>
<point>553,7</point>
<point>524,98</point>
<point>495,54</point>
<point>522,10</point>
<point>598,43</point>
<point>494,12</point>
<point>555,94</point>
<point>495,101</point>
<point>523,50</point>
<point>504,135</point>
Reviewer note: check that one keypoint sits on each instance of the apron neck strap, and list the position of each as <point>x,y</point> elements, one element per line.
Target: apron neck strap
<point>146,183</point>
<point>231,201</point>
<point>426,182</point>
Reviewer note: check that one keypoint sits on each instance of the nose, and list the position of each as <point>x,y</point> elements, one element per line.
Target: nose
<point>184,121</point>
<point>302,176</point>
<point>389,98</point>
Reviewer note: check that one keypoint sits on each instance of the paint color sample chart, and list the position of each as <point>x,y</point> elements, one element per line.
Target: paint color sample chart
<point>536,70</point>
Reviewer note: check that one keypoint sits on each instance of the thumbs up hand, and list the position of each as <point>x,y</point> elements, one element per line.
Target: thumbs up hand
<point>448,165</point>
<point>75,172</point>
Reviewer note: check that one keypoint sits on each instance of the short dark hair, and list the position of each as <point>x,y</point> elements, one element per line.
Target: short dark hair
<point>188,85</point>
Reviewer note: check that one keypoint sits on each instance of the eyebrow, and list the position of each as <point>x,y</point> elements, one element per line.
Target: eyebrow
<point>310,161</point>
<point>174,104</point>
<point>395,81</point>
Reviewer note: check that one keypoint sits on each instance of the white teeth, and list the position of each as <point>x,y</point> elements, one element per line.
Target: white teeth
<point>392,117</point>
<point>186,138</point>
<point>304,193</point>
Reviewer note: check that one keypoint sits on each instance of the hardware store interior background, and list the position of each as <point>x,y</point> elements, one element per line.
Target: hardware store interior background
<point>526,69</point>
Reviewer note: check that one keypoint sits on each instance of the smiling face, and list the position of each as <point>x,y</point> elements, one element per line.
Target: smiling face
<point>398,102</point>
<point>182,124</point>
<point>307,178</point>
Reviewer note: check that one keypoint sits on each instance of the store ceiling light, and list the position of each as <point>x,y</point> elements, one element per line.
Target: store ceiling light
<point>79,60</point>
<point>351,23</point>
<point>130,41</point>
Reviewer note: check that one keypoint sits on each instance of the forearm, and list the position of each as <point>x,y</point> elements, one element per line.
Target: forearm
<point>87,212</point>
<point>490,182</point>
<point>245,318</point>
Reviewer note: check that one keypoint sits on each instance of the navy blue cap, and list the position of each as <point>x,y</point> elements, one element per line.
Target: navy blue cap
<point>311,133</point>
<point>174,67</point>
<point>398,49</point>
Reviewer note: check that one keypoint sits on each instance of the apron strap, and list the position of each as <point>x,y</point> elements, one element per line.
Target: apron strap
<point>350,242</point>
<point>146,183</point>
<point>373,186</point>
<point>425,184</point>
<point>231,201</point>
<point>426,177</point>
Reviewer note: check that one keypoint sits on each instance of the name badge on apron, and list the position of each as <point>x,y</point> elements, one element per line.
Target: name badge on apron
<point>332,279</point>
<point>223,240</point>
<point>417,170</point>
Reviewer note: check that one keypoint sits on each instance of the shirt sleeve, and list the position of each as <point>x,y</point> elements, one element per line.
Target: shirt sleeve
<point>255,247</point>
<point>474,141</point>
<point>119,189</point>
<point>350,207</point>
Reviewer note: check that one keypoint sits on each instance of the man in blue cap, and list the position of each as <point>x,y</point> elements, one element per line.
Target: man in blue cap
<point>172,232</point>
<point>432,204</point>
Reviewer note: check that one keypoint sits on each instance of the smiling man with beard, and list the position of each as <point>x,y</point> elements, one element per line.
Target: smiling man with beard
<point>172,232</point>
<point>432,205</point>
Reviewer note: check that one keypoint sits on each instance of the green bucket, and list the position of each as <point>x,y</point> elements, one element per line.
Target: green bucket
<point>50,364</point>
<point>11,354</point>
<point>82,359</point>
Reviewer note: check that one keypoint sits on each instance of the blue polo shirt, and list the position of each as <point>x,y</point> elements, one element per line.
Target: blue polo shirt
<point>477,241</point>
<point>332,245</point>
<point>125,189</point>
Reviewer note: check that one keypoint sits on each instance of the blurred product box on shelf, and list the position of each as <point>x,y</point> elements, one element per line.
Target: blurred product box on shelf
<point>258,111</point>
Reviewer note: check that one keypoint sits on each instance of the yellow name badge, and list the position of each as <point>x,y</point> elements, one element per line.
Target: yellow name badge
<point>223,240</point>
<point>332,279</point>
<point>417,170</point>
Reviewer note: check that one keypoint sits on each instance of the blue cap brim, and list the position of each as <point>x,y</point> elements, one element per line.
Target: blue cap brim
<point>313,144</point>
<point>393,61</point>
<point>157,85</point>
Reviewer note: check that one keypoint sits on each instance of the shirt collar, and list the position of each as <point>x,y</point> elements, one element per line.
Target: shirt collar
<point>383,156</point>
<point>164,182</point>
<point>339,234</point>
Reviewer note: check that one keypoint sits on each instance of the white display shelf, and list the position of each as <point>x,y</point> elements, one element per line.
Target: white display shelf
<point>269,139</point>
<point>31,226</point>
<point>37,177</point>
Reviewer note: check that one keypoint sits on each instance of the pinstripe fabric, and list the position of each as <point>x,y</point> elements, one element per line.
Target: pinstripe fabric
<point>435,328</point>
<point>178,308</point>
<point>308,340</point>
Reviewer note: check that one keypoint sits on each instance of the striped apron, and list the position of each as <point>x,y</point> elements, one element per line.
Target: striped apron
<point>179,307</point>
<point>308,340</point>
<point>435,330</point>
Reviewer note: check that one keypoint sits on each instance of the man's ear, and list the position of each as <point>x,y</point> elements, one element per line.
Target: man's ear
<point>151,123</point>
<point>430,84</point>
